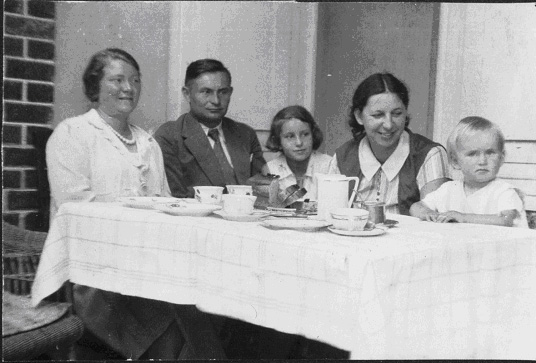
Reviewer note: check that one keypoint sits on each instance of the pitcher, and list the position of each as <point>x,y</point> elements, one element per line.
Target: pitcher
<point>333,193</point>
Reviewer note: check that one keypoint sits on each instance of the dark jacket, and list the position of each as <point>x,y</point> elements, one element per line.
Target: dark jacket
<point>189,159</point>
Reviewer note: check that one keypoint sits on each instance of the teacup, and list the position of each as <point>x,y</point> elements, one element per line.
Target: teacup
<point>234,204</point>
<point>349,219</point>
<point>208,194</point>
<point>240,189</point>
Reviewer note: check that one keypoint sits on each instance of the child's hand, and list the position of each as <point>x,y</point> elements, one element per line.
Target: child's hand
<point>430,216</point>
<point>450,216</point>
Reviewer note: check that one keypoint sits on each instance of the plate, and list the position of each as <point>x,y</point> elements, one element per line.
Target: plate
<point>144,202</point>
<point>373,232</point>
<point>308,225</point>
<point>187,209</point>
<point>285,212</point>
<point>255,216</point>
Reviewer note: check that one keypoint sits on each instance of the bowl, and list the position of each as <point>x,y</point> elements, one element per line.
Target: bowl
<point>349,219</point>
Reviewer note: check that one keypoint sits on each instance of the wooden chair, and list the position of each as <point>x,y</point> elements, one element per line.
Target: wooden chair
<point>29,332</point>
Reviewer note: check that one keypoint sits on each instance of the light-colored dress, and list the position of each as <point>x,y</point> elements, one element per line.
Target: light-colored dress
<point>87,162</point>
<point>318,164</point>
<point>494,198</point>
<point>380,182</point>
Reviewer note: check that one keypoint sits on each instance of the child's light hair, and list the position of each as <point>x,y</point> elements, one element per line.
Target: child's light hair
<point>467,127</point>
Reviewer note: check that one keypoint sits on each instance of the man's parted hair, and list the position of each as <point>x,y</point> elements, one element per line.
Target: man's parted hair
<point>200,66</point>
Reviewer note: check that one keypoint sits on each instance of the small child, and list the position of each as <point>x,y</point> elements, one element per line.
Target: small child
<point>476,147</point>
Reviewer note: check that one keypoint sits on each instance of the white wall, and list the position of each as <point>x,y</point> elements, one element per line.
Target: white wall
<point>141,28</point>
<point>267,46</point>
<point>487,67</point>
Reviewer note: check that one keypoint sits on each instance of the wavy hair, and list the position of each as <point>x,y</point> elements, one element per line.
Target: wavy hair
<point>300,113</point>
<point>95,69</point>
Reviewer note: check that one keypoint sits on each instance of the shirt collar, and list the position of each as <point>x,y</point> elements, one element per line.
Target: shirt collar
<point>219,128</point>
<point>284,169</point>
<point>392,166</point>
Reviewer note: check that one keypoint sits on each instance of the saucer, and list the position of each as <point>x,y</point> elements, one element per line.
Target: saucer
<point>373,232</point>
<point>253,217</point>
<point>306,225</point>
<point>185,209</point>
<point>145,202</point>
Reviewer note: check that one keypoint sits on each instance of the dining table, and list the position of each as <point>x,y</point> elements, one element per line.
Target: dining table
<point>421,290</point>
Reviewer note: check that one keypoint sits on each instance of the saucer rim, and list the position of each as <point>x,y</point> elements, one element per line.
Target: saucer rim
<point>358,233</point>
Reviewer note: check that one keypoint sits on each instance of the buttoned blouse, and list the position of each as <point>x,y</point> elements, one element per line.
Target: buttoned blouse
<point>380,181</point>
<point>318,164</point>
<point>87,162</point>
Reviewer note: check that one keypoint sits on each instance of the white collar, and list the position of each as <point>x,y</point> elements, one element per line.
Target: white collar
<point>283,165</point>
<point>392,166</point>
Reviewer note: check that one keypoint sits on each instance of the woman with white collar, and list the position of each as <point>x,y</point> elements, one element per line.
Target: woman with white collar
<point>96,157</point>
<point>395,166</point>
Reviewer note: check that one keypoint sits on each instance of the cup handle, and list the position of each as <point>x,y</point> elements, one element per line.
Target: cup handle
<point>354,191</point>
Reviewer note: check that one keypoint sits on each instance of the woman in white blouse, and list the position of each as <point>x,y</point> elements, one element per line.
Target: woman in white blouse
<point>395,166</point>
<point>99,156</point>
<point>296,136</point>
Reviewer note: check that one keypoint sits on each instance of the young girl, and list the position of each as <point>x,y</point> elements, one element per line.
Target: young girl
<point>295,134</point>
<point>476,147</point>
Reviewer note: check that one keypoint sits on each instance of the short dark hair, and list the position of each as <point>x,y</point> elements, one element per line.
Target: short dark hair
<point>200,66</point>
<point>95,69</point>
<point>374,85</point>
<point>300,113</point>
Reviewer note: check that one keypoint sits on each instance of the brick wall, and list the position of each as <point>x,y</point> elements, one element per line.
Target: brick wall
<point>29,29</point>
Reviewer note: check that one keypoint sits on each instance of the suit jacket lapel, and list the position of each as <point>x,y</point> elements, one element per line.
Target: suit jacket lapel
<point>237,151</point>
<point>197,143</point>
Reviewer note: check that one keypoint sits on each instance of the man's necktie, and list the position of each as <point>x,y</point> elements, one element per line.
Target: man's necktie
<point>226,168</point>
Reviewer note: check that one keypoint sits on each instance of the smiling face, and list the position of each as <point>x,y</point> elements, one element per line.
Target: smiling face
<point>209,96</point>
<point>296,140</point>
<point>120,89</point>
<point>384,118</point>
<point>479,158</point>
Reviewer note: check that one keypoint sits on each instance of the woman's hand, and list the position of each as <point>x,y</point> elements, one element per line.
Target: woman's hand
<point>450,216</point>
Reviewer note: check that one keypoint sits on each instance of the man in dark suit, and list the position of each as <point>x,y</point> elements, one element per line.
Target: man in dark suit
<point>194,155</point>
<point>203,147</point>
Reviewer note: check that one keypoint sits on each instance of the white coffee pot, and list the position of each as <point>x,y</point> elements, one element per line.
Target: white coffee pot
<point>332,193</point>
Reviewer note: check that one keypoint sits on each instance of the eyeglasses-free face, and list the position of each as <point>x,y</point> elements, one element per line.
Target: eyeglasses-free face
<point>479,158</point>
<point>384,118</point>
<point>120,89</point>
<point>209,96</point>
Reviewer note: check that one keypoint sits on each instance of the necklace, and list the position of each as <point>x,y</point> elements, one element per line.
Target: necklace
<point>121,137</point>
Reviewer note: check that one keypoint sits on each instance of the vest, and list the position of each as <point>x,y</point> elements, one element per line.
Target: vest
<point>408,190</point>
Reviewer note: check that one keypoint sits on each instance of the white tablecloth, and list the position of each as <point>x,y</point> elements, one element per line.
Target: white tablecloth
<point>422,290</point>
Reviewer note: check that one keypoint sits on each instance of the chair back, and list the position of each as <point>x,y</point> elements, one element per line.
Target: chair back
<point>40,136</point>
